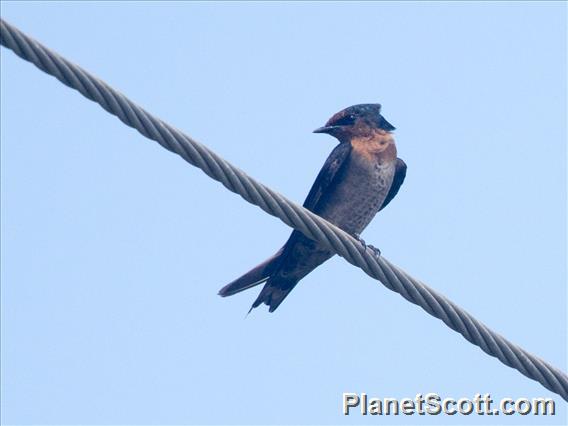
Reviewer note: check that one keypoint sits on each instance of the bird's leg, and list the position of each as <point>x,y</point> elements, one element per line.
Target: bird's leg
<point>375,250</point>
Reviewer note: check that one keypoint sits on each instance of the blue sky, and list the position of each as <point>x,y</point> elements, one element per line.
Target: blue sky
<point>113,249</point>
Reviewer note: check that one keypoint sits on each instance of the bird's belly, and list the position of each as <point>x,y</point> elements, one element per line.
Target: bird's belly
<point>351,204</point>
<point>359,195</point>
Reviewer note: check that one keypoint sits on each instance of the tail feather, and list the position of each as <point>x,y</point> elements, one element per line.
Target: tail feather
<point>255,276</point>
<point>274,292</point>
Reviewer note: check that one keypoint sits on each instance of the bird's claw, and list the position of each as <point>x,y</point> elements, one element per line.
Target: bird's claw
<point>375,250</point>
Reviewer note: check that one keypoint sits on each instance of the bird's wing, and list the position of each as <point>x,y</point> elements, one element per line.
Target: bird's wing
<point>327,174</point>
<point>399,175</point>
<point>278,286</point>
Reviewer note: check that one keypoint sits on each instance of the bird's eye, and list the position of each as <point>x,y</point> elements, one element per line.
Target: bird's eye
<point>345,120</point>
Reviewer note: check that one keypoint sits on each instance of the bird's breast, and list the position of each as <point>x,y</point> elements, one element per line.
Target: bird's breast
<point>359,192</point>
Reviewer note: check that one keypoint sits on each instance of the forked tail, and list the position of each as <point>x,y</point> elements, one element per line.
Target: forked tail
<point>275,291</point>
<point>255,276</point>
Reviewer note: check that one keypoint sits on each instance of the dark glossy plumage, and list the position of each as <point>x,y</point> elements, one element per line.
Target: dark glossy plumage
<point>359,178</point>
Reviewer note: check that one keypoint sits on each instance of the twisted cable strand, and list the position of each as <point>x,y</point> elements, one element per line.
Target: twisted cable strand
<point>290,213</point>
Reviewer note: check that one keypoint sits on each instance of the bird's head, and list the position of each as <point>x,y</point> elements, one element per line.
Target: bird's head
<point>357,121</point>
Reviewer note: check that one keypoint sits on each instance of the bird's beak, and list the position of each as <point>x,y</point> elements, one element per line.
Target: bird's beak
<point>326,129</point>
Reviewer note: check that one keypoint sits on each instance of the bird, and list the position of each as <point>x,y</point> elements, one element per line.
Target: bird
<point>360,177</point>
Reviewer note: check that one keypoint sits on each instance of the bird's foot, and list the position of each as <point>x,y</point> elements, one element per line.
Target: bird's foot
<point>375,250</point>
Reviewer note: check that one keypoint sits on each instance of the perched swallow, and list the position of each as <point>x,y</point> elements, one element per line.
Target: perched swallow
<point>359,178</point>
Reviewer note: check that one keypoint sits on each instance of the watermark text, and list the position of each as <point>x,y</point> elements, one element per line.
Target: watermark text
<point>433,404</point>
